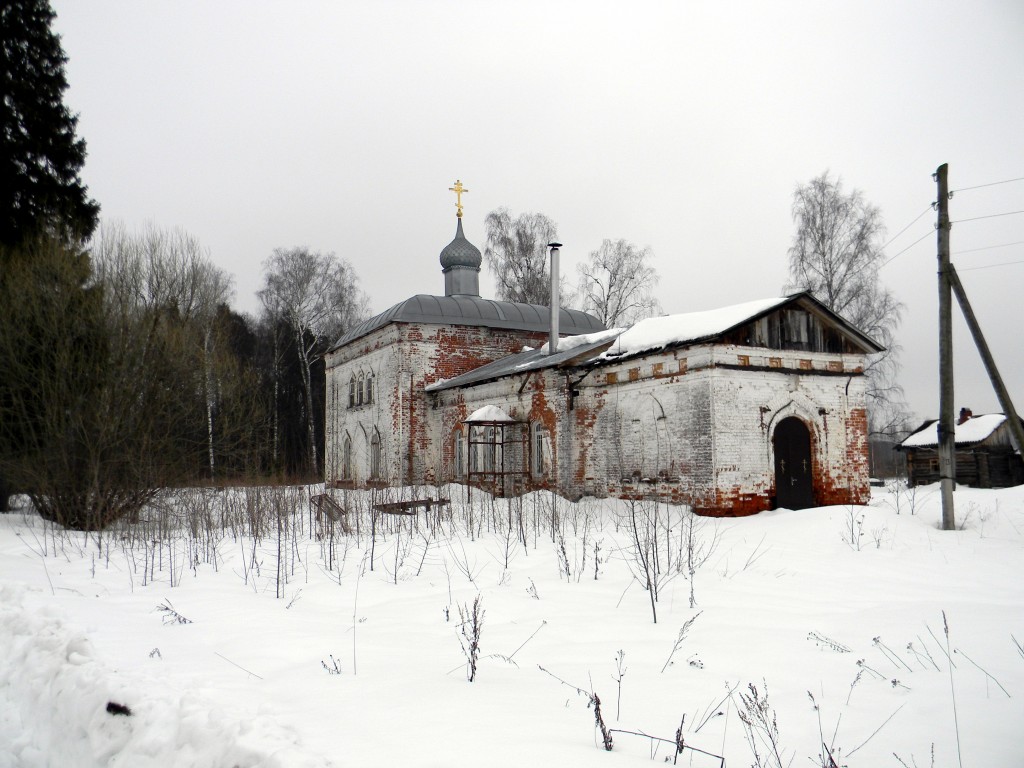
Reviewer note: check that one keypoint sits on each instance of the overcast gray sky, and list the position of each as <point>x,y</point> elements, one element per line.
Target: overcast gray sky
<point>683,126</point>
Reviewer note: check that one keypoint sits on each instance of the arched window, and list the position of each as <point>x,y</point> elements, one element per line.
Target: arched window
<point>352,392</point>
<point>359,390</point>
<point>538,450</point>
<point>375,456</point>
<point>346,459</point>
<point>490,449</point>
<point>368,389</point>
<point>476,435</point>
<point>458,454</point>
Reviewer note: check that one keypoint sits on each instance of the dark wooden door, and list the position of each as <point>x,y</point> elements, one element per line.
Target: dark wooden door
<point>794,486</point>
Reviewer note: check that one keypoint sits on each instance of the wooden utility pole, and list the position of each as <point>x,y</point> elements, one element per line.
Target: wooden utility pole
<point>1016,429</point>
<point>947,446</point>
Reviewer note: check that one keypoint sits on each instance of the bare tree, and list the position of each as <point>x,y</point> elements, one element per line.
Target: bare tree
<point>318,296</point>
<point>114,372</point>
<point>648,525</point>
<point>158,268</point>
<point>162,295</point>
<point>616,283</point>
<point>516,251</point>
<point>167,274</point>
<point>836,255</point>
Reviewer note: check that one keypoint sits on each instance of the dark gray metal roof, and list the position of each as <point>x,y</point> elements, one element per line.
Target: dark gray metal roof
<point>530,360</point>
<point>473,310</point>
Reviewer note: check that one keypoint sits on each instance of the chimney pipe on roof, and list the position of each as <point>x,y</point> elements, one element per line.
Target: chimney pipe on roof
<point>553,304</point>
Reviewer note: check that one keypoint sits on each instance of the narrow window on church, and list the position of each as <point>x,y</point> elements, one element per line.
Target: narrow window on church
<point>538,450</point>
<point>458,454</point>
<point>346,459</point>
<point>359,390</point>
<point>488,450</point>
<point>352,392</point>
<point>368,389</point>
<point>375,455</point>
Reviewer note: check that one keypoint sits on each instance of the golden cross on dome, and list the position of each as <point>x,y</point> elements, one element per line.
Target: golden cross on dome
<point>458,189</point>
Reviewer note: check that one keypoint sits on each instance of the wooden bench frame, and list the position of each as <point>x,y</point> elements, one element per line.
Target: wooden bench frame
<point>326,506</point>
<point>409,507</point>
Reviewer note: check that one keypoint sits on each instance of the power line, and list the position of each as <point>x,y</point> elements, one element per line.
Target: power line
<point>990,216</point>
<point>992,266</point>
<point>922,213</point>
<point>974,218</point>
<point>989,247</point>
<point>991,184</point>
<point>922,237</point>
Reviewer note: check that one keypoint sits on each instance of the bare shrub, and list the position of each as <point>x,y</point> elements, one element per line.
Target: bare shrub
<point>170,615</point>
<point>695,546</point>
<point>760,727</point>
<point>683,631</point>
<point>642,522</point>
<point>853,528</point>
<point>334,668</point>
<point>593,700</point>
<point>471,626</point>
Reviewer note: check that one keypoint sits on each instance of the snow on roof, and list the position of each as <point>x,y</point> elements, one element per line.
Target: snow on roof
<point>489,413</point>
<point>660,332</point>
<point>571,342</point>
<point>973,430</point>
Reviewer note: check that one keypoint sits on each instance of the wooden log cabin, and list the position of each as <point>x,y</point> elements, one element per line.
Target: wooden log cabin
<point>985,456</point>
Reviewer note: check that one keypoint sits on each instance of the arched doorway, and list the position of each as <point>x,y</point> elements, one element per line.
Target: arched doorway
<point>794,480</point>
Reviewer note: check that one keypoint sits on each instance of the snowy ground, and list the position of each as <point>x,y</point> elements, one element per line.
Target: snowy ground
<point>296,653</point>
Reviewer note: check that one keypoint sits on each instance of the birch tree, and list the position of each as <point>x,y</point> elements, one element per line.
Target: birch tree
<point>836,255</point>
<point>318,296</point>
<point>516,250</point>
<point>616,284</point>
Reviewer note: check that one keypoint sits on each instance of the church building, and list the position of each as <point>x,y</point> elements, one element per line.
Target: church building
<point>732,411</point>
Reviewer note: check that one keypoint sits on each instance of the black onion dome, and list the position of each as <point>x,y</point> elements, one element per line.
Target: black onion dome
<point>460,252</point>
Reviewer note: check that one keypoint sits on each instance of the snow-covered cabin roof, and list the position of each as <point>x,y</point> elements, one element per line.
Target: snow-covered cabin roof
<point>474,310</point>
<point>974,430</point>
<point>689,328</point>
<point>672,330</point>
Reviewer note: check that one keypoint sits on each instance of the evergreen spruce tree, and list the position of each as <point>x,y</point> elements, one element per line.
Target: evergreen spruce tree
<point>40,156</point>
<point>43,203</point>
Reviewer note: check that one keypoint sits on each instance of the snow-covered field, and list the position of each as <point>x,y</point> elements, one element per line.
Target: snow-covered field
<point>285,649</point>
